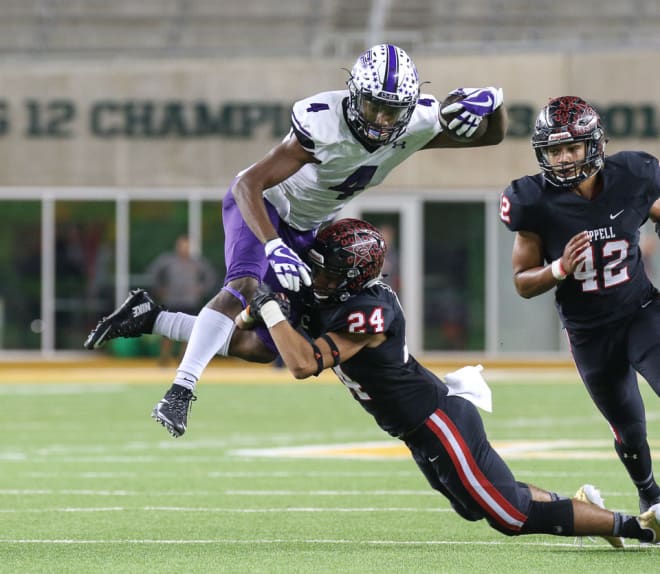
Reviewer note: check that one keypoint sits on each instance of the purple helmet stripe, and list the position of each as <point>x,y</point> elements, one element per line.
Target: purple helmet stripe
<point>392,70</point>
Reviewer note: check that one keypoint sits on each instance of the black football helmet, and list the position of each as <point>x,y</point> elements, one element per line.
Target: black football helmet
<point>564,120</point>
<point>352,253</point>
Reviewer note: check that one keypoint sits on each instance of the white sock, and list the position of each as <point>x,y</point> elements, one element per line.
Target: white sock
<point>175,326</point>
<point>210,336</point>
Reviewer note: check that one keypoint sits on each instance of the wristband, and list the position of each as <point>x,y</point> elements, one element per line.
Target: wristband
<point>557,270</point>
<point>245,316</point>
<point>272,314</point>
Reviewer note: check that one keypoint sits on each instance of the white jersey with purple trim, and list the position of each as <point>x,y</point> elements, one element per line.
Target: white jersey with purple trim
<point>318,191</point>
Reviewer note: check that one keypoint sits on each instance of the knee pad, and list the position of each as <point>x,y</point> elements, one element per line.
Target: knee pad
<point>550,518</point>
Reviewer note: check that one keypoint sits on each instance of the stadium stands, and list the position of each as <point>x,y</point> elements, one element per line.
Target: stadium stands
<point>193,28</point>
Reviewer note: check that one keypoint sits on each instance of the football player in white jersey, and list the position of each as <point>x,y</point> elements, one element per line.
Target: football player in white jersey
<point>341,143</point>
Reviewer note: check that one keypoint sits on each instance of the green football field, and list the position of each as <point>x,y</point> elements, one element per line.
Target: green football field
<point>283,477</point>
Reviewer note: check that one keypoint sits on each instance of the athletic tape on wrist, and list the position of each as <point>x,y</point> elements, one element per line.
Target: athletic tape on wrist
<point>557,270</point>
<point>272,314</point>
<point>245,316</point>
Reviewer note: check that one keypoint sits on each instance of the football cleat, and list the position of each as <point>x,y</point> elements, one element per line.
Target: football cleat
<point>591,495</point>
<point>172,410</point>
<point>650,520</point>
<point>134,317</point>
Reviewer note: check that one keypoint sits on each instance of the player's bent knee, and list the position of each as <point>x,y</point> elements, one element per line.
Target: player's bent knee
<point>467,513</point>
<point>234,296</point>
<point>632,436</point>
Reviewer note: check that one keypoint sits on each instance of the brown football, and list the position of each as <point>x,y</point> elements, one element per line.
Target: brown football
<point>446,119</point>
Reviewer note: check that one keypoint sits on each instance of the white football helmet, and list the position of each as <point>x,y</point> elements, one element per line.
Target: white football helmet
<point>384,89</point>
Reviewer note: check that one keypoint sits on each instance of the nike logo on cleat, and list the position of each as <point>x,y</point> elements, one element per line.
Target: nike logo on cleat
<point>141,309</point>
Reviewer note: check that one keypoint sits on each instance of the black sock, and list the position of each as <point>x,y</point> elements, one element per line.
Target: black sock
<point>649,490</point>
<point>628,527</point>
<point>637,462</point>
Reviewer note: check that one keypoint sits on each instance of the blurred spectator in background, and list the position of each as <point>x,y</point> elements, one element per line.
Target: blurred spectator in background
<point>182,282</point>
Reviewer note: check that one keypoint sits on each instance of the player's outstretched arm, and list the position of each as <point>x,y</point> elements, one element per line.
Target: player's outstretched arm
<point>471,117</point>
<point>303,357</point>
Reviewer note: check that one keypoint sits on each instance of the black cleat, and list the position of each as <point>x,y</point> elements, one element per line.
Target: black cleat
<point>134,317</point>
<point>172,410</point>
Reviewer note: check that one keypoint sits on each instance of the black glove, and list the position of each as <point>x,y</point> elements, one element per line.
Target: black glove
<point>262,295</point>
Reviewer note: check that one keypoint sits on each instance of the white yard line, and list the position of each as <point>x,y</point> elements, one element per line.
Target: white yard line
<point>313,542</point>
<point>217,510</point>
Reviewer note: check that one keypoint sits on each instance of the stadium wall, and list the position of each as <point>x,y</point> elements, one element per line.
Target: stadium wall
<point>180,129</point>
<point>196,122</point>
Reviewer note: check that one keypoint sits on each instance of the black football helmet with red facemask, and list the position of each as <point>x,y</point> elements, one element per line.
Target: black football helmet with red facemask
<point>346,257</point>
<point>569,119</point>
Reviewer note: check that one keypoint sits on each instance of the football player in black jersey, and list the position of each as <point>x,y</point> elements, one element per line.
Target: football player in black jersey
<point>577,231</point>
<point>356,327</point>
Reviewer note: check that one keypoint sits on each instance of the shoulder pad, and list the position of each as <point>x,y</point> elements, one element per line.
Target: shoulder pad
<point>315,120</point>
<point>519,201</point>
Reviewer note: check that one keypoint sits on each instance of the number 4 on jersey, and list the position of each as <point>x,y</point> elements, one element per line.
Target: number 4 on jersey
<point>355,182</point>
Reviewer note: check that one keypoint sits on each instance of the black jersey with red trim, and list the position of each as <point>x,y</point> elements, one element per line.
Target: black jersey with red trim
<point>388,382</point>
<point>612,282</point>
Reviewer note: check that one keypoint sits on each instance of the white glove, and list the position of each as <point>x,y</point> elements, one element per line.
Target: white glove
<point>468,383</point>
<point>477,103</point>
<point>288,267</point>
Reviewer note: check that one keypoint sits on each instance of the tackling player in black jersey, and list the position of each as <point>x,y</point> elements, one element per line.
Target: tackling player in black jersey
<point>577,227</point>
<point>357,327</point>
